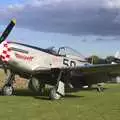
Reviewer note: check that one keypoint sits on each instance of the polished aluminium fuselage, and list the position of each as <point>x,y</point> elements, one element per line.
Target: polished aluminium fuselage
<point>31,59</point>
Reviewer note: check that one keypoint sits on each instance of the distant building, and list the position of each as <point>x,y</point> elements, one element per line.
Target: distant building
<point>115,79</point>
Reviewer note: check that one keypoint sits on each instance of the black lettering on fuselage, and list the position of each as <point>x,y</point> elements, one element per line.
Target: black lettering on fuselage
<point>69,62</point>
<point>65,62</point>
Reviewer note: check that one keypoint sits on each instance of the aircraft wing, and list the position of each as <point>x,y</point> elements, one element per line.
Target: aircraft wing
<point>89,69</point>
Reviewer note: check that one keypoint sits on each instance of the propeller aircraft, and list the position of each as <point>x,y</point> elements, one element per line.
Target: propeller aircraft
<point>64,69</point>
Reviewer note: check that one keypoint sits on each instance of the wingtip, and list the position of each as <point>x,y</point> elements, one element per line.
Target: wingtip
<point>14,20</point>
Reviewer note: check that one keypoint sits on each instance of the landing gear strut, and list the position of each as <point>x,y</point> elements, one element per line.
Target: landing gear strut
<point>36,86</point>
<point>59,90</point>
<point>54,95</point>
<point>8,87</point>
<point>100,88</point>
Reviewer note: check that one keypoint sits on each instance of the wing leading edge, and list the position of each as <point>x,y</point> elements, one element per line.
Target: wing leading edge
<point>90,69</point>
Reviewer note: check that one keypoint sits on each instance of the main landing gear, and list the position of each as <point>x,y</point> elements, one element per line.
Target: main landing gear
<point>100,88</point>
<point>59,90</point>
<point>36,86</point>
<point>55,93</point>
<point>8,87</point>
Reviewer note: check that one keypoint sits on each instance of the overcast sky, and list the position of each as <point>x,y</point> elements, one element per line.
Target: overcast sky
<point>90,26</point>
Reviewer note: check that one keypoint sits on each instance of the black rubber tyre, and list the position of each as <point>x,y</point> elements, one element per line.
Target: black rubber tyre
<point>54,95</point>
<point>7,90</point>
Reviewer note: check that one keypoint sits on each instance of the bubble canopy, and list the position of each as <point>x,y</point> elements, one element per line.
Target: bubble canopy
<point>65,51</point>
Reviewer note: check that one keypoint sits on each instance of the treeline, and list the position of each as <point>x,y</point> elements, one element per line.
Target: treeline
<point>97,60</point>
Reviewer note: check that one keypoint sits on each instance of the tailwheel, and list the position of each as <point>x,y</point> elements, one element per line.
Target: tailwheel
<point>7,90</point>
<point>100,88</point>
<point>54,95</point>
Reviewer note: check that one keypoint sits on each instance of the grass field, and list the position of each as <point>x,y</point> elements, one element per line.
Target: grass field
<point>84,105</point>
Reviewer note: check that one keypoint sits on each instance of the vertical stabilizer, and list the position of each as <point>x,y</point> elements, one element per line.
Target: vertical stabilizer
<point>116,58</point>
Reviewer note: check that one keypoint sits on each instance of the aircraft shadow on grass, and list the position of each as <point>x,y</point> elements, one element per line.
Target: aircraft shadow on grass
<point>66,96</point>
<point>26,92</point>
<point>91,89</point>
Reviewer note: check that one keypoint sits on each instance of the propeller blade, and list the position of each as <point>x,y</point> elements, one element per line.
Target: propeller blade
<point>3,37</point>
<point>7,30</point>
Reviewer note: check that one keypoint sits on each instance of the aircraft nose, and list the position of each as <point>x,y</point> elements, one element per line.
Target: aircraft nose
<point>5,52</point>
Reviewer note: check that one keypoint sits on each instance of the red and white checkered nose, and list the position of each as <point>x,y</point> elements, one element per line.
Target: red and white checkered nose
<point>5,55</point>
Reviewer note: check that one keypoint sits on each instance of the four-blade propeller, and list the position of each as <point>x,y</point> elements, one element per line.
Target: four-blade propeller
<point>3,38</point>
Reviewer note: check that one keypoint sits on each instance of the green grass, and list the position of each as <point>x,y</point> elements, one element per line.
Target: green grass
<point>84,105</point>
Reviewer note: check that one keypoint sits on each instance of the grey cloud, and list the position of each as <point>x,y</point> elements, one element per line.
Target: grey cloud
<point>75,17</point>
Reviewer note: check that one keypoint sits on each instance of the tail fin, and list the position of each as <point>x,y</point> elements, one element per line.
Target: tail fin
<point>117,55</point>
<point>116,58</point>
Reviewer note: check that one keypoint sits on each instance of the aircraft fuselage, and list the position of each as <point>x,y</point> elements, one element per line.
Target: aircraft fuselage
<point>30,59</point>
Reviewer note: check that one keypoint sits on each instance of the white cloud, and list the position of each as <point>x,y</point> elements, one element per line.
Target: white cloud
<point>15,7</point>
<point>75,17</point>
<point>113,3</point>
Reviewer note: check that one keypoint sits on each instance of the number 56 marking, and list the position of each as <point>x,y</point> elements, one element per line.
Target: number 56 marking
<point>69,62</point>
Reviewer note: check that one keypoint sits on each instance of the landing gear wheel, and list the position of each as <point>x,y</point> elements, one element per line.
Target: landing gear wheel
<point>100,89</point>
<point>42,91</point>
<point>7,90</point>
<point>54,95</point>
<point>41,88</point>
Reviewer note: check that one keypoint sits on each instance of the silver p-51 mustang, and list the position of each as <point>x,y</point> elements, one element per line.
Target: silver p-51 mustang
<point>64,69</point>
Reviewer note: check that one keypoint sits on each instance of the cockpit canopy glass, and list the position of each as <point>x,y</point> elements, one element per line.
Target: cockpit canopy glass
<point>64,51</point>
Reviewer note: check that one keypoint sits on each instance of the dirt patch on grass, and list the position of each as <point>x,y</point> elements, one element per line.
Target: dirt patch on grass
<point>18,83</point>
